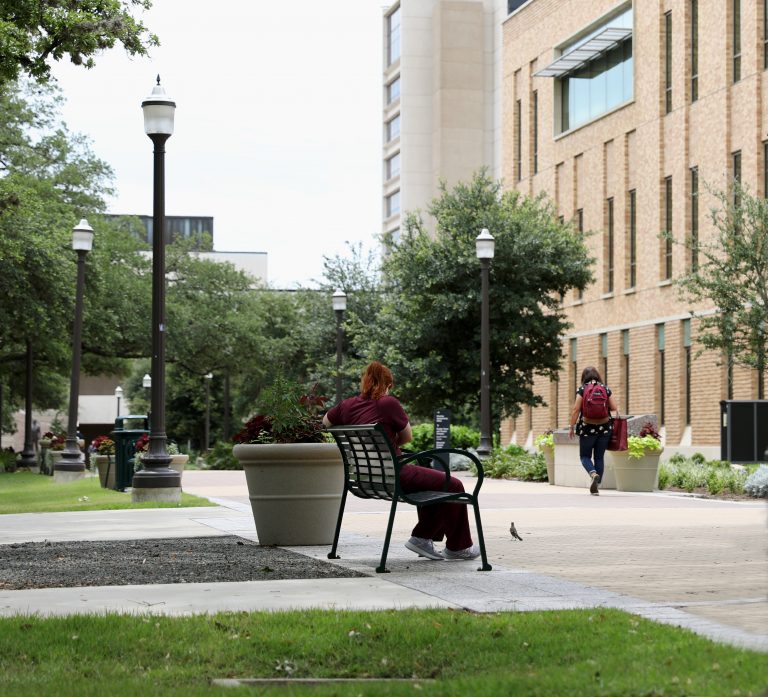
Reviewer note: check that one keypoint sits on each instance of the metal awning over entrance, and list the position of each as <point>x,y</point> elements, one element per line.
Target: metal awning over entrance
<point>581,55</point>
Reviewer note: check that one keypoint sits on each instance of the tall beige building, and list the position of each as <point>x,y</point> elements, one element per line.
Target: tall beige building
<point>627,114</point>
<point>442,98</point>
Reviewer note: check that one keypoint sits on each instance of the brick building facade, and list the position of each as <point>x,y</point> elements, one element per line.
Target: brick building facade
<point>629,116</point>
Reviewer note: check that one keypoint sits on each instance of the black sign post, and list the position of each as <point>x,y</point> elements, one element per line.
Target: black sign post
<point>442,437</point>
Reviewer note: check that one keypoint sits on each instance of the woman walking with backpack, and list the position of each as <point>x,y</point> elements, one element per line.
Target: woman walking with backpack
<point>591,421</point>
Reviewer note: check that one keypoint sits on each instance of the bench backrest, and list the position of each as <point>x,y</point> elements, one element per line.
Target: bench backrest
<point>370,461</point>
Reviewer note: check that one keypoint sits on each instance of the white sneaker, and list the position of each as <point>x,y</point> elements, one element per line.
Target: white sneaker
<point>424,548</point>
<point>472,552</point>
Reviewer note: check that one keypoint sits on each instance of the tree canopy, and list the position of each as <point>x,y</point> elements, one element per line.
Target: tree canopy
<point>732,274</point>
<point>428,328</point>
<point>35,32</point>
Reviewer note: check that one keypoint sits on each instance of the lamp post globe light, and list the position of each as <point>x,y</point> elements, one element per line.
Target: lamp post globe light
<point>484,247</point>
<point>72,463</point>
<point>339,300</point>
<point>157,481</point>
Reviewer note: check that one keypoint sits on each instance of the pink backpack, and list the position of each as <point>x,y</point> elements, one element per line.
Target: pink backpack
<point>594,403</point>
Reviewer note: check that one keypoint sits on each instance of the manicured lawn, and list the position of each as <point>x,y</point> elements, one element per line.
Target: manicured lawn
<point>24,492</point>
<point>569,653</point>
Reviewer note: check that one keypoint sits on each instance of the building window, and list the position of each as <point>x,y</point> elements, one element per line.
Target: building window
<point>580,228</point>
<point>512,5</point>
<point>668,62</point>
<point>535,134</point>
<point>393,36</point>
<point>668,228</point>
<point>695,49</point>
<point>574,367</point>
<point>610,244</point>
<point>393,166</point>
<point>765,166</point>
<point>393,128</point>
<point>660,341</point>
<point>736,166</point>
<point>625,377</point>
<point>518,140</point>
<point>392,204</point>
<point>687,360</point>
<point>736,40</point>
<point>393,90</point>
<point>601,84</point>
<point>604,356</point>
<point>694,241</point>
<point>632,241</point>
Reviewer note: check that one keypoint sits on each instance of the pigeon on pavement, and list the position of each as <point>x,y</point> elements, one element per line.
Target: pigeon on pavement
<point>513,530</point>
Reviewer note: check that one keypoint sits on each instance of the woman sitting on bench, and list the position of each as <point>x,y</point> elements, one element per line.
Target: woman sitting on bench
<point>376,405</point>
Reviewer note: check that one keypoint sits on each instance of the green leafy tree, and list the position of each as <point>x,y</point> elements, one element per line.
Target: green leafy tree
<point>428,328</point>
<point>732,274</point>
<point>49,179</point>
<point>33,33</point>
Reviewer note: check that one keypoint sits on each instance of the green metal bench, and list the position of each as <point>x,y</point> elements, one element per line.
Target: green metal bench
<point>372,471</point>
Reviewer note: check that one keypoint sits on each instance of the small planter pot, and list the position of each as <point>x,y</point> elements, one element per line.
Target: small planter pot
<point>295,491</point>
<point>105,464</point>
<point>548,451</point>
<point>636,474</point>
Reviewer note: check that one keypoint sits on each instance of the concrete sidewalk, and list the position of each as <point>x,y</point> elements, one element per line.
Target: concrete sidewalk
<point>695,563</point>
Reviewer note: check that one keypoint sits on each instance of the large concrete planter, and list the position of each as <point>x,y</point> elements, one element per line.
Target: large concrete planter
<point>568,468</point>
<point>105,464</point>
<point>295,491</point>
<point>636,474</point>
<point>178,462</point>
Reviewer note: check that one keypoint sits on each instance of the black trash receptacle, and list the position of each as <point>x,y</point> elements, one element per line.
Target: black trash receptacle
<point>744,430</point>
<point>128,429</point>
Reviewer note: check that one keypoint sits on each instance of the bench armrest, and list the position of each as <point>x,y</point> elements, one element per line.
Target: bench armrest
<point>415,457</point>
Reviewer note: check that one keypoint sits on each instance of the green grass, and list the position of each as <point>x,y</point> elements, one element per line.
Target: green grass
<point>24,492</point>
<point>568,653</point>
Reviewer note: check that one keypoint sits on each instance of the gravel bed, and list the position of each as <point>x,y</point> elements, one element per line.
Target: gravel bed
<point>176,560</point>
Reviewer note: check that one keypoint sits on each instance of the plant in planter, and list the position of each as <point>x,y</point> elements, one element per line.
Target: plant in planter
<point>295,476</point>
<point>545,440</point>
<point>56,441</point>
<point>103,458</point>
<point>648,441</point>
<point>637,468</point>
<point>103,445</point>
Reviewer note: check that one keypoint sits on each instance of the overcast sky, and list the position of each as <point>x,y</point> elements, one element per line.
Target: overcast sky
<point>278,124</point>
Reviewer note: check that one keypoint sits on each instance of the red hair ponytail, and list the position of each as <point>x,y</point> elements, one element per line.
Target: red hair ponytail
<point>376,380</point>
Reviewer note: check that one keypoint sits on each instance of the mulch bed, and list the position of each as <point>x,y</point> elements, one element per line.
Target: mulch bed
<point>176,560</point>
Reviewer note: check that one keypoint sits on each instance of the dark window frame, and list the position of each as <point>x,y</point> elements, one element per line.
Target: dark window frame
<point>695,50</point>
<point>668,203</point>
<point>667,62</point>
<point>694,239</point>
<point>610,251</point>
<point>632,235</point>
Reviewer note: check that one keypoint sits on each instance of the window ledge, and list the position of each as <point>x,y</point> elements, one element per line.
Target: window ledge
<point>629,291</point>
<point>607,296</point>
<point>665,283</point>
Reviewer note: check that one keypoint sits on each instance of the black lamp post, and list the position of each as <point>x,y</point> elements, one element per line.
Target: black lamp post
<point>119,395</point>
<point>27,457</point>
<point>208,378</point>
<point>72,460</point>
<point>339,306</point>
<point>484,244</point>
<point>156,475</point>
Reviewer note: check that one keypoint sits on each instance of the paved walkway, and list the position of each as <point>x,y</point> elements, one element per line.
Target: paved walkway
<point>700,564</point>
